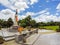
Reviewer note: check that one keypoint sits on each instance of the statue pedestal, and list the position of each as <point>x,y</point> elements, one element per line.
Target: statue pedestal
<point>14,29</point>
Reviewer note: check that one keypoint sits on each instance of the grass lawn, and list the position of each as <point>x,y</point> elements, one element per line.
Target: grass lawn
<point>50,27</point>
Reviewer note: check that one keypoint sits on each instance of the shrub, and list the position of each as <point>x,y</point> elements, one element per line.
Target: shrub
<point>1,40</point>
<point>58,30</point>
<point>0,28</point>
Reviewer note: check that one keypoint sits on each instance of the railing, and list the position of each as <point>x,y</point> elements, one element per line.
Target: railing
<point>22,38</point>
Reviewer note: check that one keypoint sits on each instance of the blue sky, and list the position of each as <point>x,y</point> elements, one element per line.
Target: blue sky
<point>36,8</point>
<point>42,4</point>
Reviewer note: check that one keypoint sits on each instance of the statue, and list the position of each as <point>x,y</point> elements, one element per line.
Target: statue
<point>16,18</point>
<point>14,28</point>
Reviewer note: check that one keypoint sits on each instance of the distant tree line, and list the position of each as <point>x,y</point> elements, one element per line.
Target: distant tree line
<point>29,22</point>
<point>51,23</point>
<point>6,24</point>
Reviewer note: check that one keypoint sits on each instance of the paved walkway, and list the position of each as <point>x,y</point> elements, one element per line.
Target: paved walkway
<point>32,39</point>
<point>48,39</point>
<point>44,31</point>
<point>40,39</point>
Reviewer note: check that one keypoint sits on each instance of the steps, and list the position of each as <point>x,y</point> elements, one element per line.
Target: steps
<point>31,40</point>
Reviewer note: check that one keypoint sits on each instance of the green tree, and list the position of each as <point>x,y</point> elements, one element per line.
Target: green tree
<point>32,23</point>
<point>10,22</point>
<point>1,22</point>
<point>4,25</point>
<point>27,20</point>
<point>23,23</point>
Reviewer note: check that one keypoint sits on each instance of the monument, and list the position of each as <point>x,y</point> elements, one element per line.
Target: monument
<point>15,26</point>
<point>16,18</point>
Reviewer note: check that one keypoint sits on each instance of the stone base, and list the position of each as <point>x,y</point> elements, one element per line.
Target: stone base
<point>14,29</point>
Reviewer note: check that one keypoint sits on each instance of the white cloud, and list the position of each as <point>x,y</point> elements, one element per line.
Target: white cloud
<point>17,4</point>
<point>35,14</point>
<point>57,14</point>
<point>38,13</point>
<point>13,5</point>
<point>58,6</point>
<point>47,0</point>
<point>33,1</point>
<point>25,15</point>
<point>21,5</point>
<point>21,17</point>
<point>47,18</point>
<point>42,12</point>
<point>43,16</point>
<point>7,13</point>
<point>30,13</point>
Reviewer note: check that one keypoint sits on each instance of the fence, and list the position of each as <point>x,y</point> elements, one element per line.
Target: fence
<point>22,38</point>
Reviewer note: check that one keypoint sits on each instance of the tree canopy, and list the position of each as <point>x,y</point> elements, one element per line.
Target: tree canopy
<point>5,24</point>
<point>29,22</point>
